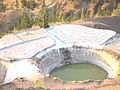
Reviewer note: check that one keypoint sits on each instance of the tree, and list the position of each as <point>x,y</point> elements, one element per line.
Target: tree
<point>99,11</point>
<point>16,4</point>
<point>23,3</point>
<point>78,14</point>
<point>114,4</point>
<point>75,3</point>
<point>61,18</point>
<point>117,11</point>
<point>108,12</point>
<point>87,14</point>
<point>106,1</point>
<point>82,14</point>
<point>76,17</point>
<point>104,13</point>
<point>58,8</point>
<point>2,7</point>
<point>31,18</point>
<point>28,4</point>
<point>24,21</point>
<point>43,16</point>
<point>31,4</point>
<point>58,5</point>
<point>118,7</point>
<point>70,1</point>
<point>92,1</point>
<point>53,16</point>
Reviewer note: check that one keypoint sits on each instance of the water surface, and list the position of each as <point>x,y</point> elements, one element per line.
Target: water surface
<point>76,72</point>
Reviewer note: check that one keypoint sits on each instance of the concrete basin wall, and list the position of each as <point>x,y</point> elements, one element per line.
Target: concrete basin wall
<point>73,55</point>
<point>3,70</point>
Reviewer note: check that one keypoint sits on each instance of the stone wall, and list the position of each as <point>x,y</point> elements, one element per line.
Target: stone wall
<point>72,55</point>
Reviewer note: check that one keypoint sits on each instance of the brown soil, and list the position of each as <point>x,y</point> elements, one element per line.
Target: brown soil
<point>111,84</point>
<point>112,22</point>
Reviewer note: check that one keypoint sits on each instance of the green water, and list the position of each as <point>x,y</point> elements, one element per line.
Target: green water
<point>76,72</point>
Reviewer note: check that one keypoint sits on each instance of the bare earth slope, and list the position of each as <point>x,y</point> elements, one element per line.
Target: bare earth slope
<point>112,22</point>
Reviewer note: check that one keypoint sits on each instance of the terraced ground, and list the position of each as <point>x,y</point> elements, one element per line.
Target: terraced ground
<point>32,44</point>
<point>28,43</point>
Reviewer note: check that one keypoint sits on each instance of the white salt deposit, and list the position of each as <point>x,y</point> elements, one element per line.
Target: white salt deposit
<point>57,36</point>
<point>20,69</point>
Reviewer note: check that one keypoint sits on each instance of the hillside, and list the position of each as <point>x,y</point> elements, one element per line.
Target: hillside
<point>69,10</point>
<point>110,22</point>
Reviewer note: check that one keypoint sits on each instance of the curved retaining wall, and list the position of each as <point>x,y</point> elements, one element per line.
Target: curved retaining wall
<point>72,55</point>
<point>3,70</point>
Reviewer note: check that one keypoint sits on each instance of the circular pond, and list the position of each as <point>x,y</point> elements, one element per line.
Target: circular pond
<point>77,72</point>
